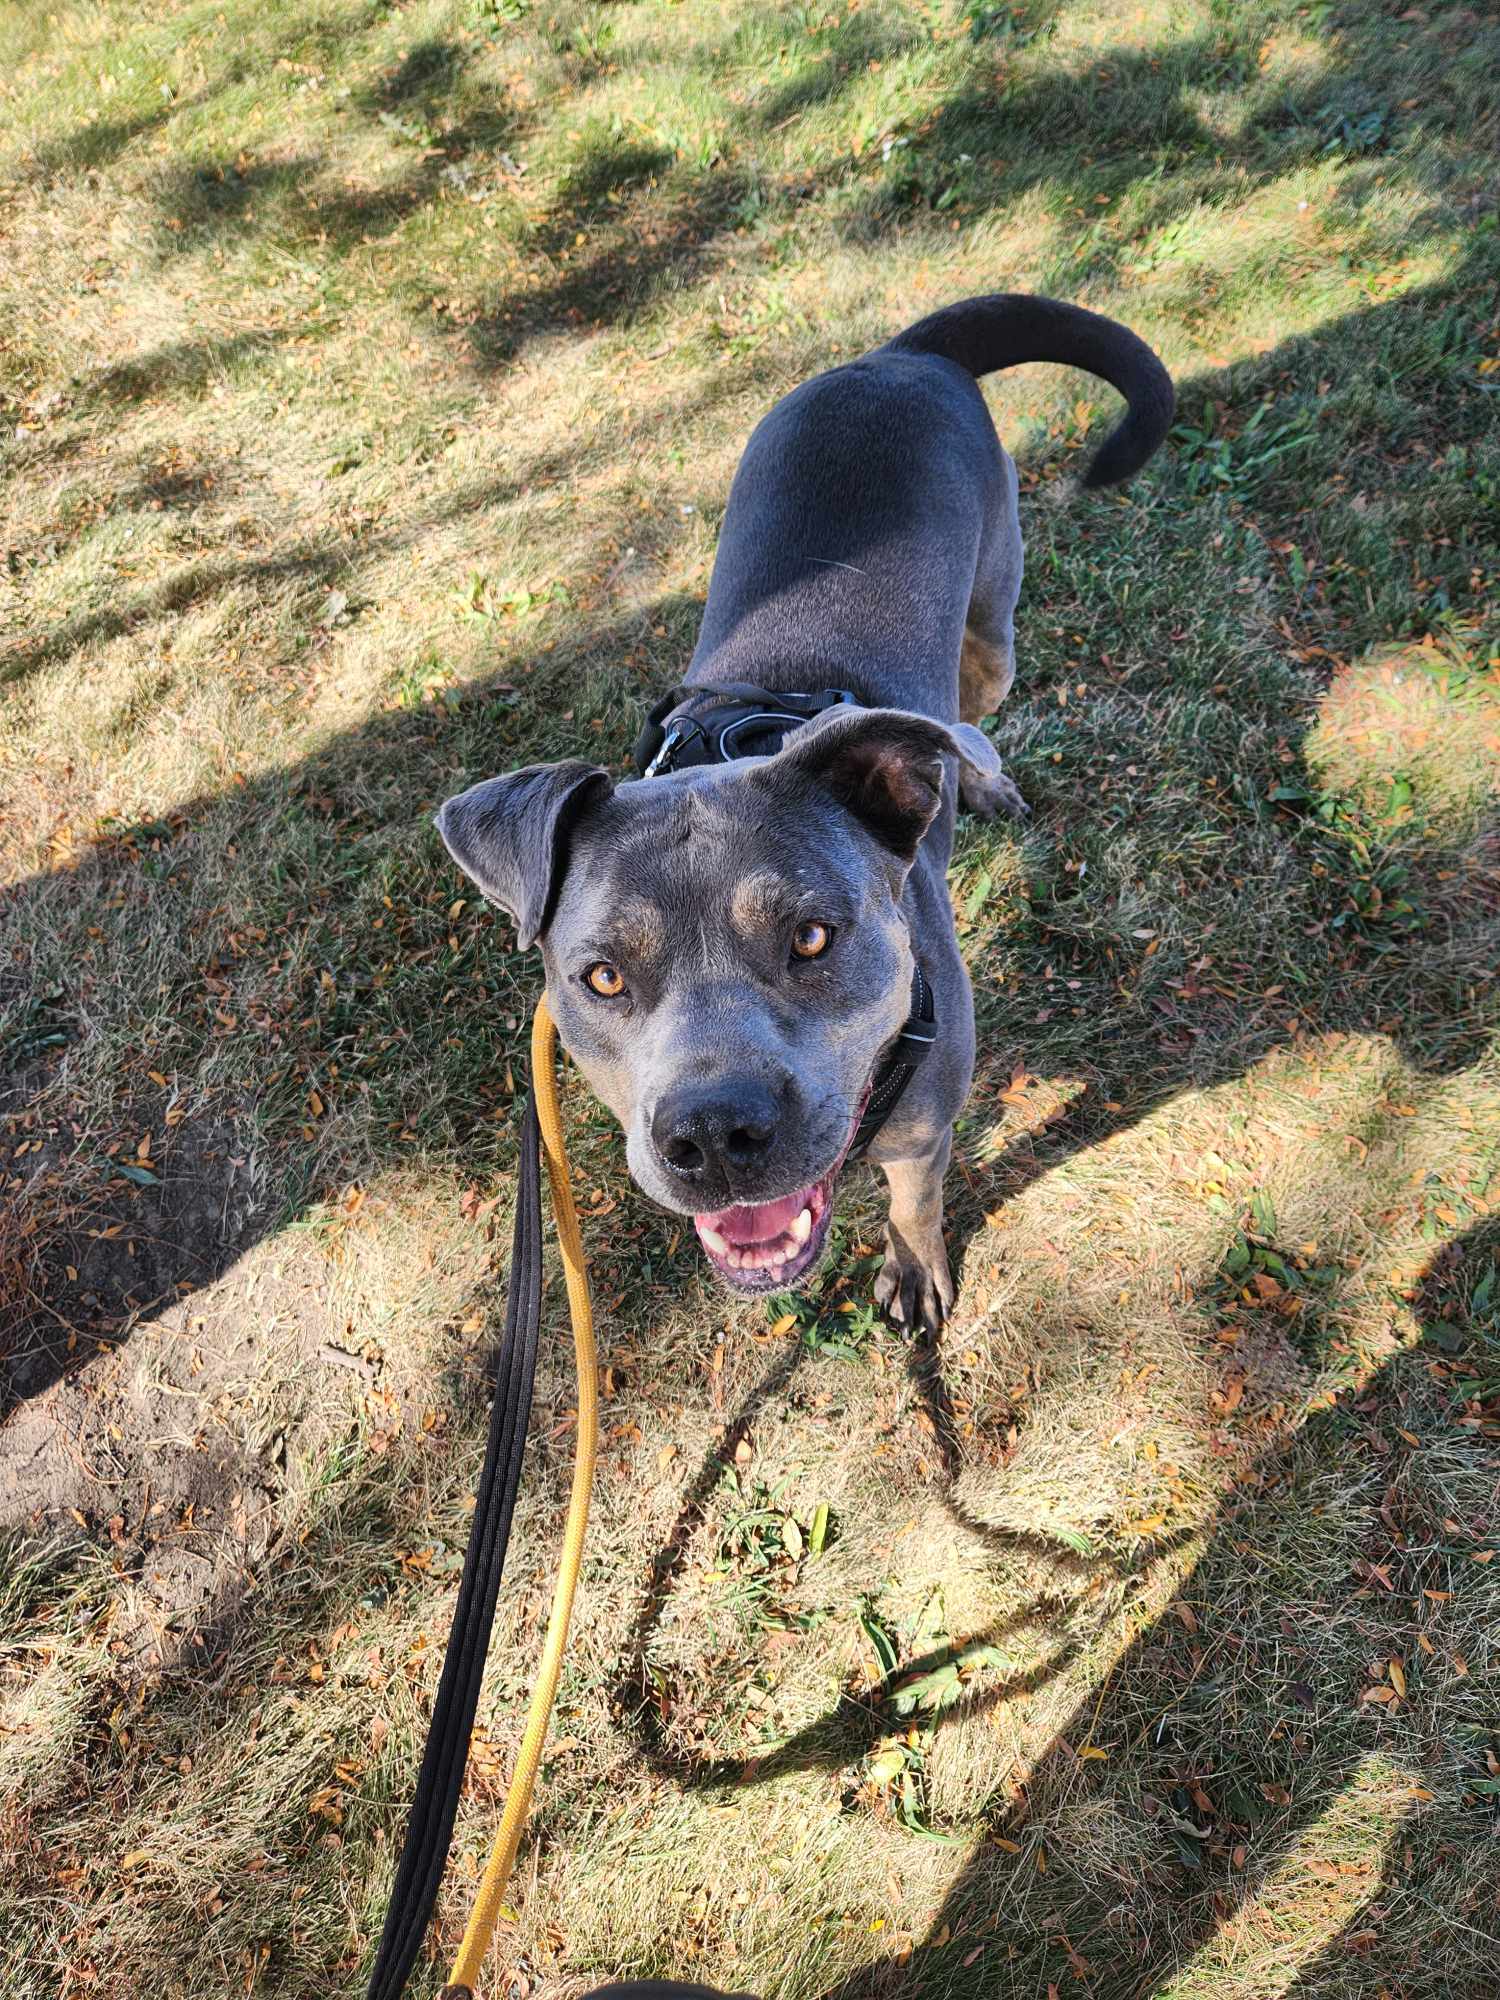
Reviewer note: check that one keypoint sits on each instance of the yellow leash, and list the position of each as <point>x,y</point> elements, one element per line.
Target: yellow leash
<point>482,1919</point>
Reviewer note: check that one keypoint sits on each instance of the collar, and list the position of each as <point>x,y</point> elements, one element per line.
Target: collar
<point>716,725</point>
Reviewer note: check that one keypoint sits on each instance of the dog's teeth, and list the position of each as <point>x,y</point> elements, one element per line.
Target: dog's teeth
<point>801,1229</point>
<point>712,1240</point>
<point>733,1259</point>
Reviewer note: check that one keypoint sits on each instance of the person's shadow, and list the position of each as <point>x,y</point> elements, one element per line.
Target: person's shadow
<point>1223,1736</point>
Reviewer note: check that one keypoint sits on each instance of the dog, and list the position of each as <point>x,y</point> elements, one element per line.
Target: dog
<point>747,951</point>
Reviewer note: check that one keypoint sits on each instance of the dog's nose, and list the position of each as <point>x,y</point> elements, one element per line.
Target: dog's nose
<point>702,1130</point>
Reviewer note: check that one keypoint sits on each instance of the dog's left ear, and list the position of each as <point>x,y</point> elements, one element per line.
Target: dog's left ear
<point>510,835</point>
<point>885,766</point>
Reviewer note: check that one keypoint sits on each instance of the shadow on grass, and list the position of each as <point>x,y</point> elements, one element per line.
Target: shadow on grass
<point>1227,1812</point>
<point>657,218</point>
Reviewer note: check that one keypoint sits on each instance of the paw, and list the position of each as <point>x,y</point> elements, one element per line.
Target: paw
<point>990,796</point>
<point>914,1292</point>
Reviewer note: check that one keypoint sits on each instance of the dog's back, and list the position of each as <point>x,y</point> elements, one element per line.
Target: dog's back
<point>874,501</point>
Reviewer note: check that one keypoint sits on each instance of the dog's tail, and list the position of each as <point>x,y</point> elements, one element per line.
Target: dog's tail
<point>1007,328</point>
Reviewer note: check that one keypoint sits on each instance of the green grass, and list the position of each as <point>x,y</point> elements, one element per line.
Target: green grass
<point>373,375</point>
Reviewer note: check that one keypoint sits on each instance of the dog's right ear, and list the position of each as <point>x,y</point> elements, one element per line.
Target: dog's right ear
<point>510,836</point>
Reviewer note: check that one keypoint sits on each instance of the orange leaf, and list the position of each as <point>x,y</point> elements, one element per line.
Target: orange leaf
<point>1398,1676</point>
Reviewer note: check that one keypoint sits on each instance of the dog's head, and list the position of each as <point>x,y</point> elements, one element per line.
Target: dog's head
<point>727,957</point>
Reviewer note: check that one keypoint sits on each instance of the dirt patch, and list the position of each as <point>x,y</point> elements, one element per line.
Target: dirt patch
<point>156,1406</point>
<point>91,1245</point>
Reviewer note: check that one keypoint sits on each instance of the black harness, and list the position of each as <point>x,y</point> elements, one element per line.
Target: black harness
<point>709,725</point>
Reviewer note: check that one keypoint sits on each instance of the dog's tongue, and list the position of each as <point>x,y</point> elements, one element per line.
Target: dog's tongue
<point>760,1222</point>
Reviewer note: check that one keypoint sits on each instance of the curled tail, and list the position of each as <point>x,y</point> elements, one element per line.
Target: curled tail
<point>1004,329</point>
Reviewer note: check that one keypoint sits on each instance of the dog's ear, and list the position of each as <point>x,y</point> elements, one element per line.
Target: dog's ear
<point>883,765</point>
<point>510,835</point>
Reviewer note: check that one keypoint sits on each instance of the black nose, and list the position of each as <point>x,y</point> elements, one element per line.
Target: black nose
<point>705,1129</point>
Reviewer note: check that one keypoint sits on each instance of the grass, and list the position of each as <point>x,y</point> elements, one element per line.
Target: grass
<point>373,377</point>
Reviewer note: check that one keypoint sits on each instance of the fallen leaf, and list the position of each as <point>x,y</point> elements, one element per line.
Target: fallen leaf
<point>1398,1676</point>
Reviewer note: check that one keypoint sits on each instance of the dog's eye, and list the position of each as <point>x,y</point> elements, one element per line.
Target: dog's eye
<point>811,940</point>
<point>606,980</point>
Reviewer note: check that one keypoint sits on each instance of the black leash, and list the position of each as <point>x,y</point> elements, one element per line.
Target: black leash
<point>429,1830</point>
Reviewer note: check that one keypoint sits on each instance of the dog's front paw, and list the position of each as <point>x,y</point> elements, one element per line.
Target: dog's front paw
<point>915,1292</point>
<point>987,795</point>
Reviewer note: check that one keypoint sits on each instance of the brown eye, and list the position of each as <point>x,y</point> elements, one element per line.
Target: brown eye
<point>606,980</point>
<point>811,940</point>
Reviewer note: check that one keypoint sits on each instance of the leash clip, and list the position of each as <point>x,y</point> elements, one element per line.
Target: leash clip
<point>666,750</point>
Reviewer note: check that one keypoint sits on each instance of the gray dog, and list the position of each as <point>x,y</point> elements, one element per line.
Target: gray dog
<point>747,952</point>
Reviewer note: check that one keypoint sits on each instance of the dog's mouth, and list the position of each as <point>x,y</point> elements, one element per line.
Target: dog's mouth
<point>766,1246</point>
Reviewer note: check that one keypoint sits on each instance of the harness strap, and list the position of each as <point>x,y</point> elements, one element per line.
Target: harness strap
<point>900,1065</point>
<point>737,722</point>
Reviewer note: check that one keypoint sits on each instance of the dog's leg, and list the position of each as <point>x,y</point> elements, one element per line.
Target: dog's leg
<point>987,663</point>
<point>914,1287</point>
<point>986,669</point>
